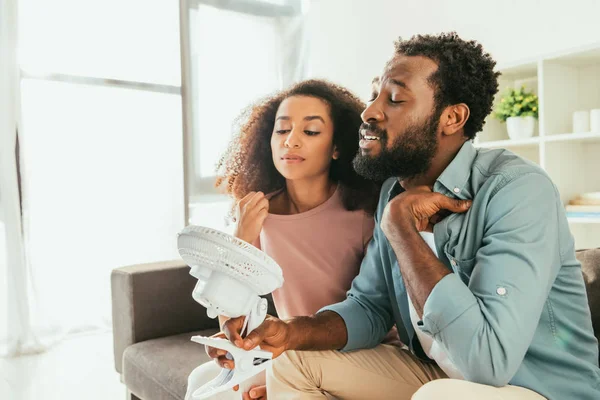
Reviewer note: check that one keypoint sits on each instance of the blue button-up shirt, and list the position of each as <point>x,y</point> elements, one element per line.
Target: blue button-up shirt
<point>515,309</point>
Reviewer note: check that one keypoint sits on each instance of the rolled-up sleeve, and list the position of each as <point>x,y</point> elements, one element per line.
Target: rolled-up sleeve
<point>487,325</point>
<point>367,309</point>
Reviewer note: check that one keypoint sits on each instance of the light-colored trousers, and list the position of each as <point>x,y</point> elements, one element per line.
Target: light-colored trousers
<point>384,372</point>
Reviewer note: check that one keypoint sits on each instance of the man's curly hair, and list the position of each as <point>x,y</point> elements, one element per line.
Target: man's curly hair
<point>248,166</point>
<point>465,74</point>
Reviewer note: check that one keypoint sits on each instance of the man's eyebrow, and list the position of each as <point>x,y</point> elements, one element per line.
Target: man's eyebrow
<point>399,83</point>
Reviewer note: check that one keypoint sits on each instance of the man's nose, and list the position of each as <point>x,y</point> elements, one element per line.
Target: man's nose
<point>372,113</point>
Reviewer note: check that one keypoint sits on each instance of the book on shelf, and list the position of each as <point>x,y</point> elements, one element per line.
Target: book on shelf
<point>582,208</point>
<point>583,215</point>
<point>586,199</point>
<point>582,211</point>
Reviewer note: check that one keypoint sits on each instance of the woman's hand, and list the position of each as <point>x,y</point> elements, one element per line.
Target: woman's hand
<point>219,355</point>
<point>251,212</point>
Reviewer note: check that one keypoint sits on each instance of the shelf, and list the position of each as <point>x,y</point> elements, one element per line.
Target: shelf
<point>578,58</point>
<point>510,143</point>
<point>563,137</point>
<point>574,220</point>
<point>571,137</point>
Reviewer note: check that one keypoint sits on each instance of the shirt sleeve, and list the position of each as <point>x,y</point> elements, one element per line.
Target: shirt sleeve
<point>487,325</point>
<point>367,309</point>
<point>367,230</point>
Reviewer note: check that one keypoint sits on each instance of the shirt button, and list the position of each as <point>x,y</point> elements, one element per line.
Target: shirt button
<point>501,291</point>
<point>456,190</point>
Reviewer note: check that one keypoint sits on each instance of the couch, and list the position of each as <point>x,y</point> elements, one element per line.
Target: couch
<point>154,317</point>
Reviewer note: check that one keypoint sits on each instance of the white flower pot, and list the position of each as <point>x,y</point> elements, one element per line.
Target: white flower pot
<point>520,127</point>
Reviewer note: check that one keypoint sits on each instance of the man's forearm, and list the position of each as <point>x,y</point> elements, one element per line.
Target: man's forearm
<point>420,268</point>
<point>323,331</point>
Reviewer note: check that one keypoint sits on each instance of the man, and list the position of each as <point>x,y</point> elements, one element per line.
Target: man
<point>471,259</point>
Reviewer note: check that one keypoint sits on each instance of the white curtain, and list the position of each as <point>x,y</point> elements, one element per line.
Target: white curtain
<point>15,329</point>
<point>100,190</point>
<point>100,182</point>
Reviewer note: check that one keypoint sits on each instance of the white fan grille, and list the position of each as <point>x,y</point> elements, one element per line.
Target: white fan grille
<point>219,251</point>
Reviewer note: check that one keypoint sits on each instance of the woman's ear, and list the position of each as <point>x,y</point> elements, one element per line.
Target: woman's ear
<point>336,154</point>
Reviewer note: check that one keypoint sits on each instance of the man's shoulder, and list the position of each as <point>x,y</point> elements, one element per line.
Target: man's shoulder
<point>502,167</point>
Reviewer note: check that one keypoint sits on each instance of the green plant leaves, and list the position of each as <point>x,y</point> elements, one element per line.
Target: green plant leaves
<point>517,103</point>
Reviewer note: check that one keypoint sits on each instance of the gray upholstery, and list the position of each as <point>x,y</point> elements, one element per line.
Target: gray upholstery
<point>157,369</point>
<point>154,317</point>
<point>590,266</point>
<point>152,301</point>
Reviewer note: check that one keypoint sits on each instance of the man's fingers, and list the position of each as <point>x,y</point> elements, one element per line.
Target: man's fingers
<point>255,337</point>
<point>435,219</point>
<point>429,228</point>
<point>454,205</point>
<point>232,328</point>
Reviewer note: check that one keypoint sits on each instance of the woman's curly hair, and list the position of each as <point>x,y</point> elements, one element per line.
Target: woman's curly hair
<point>247,164</point>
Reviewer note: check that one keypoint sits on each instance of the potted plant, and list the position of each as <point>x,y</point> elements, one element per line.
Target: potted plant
<point>519,109</point>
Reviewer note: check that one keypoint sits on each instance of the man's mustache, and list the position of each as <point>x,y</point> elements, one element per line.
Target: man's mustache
<point>373,130</point>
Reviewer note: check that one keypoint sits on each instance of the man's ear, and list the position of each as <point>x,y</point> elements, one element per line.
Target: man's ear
<point>454,118</point>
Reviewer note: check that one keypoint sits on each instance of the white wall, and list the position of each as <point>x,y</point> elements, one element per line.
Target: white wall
<point>351,39</point>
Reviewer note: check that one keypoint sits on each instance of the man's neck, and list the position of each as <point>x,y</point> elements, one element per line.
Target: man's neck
<point>438,164</point>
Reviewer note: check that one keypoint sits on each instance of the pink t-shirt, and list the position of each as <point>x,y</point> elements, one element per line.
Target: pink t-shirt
<point>319,251</point>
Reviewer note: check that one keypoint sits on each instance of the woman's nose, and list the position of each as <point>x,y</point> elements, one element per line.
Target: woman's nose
<point>293,141</point>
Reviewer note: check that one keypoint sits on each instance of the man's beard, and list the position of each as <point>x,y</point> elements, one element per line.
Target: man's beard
<point>410,156</point>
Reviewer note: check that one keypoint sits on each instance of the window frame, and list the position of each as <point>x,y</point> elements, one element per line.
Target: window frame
<point>198,189</point>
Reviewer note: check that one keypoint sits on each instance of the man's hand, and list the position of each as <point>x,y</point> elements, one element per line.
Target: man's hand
<point>419,208</point>
<point>256,392</point>
<point>273,335</point>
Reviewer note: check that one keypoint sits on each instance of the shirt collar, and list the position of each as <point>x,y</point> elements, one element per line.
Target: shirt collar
<point>455,178</point>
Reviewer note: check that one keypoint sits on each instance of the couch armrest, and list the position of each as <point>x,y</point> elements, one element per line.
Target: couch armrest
<point>151,301</point>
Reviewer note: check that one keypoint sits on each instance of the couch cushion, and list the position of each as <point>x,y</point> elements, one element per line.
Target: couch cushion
<point>590,266</point>
<point>158,369</point>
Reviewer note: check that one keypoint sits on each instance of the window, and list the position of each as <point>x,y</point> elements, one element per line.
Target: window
<point>101,149</point>
<point>239,53</point>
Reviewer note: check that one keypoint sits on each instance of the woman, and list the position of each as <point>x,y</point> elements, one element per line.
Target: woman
<point>316,218</point>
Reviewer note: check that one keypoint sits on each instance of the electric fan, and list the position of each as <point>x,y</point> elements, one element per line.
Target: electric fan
<point>232,275</point>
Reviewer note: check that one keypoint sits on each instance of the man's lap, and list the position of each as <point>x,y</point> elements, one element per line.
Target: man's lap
<point>382,372</point>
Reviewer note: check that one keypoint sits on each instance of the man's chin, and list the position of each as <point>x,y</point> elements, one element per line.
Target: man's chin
<point>369,153</point>
<point>368,166</point>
